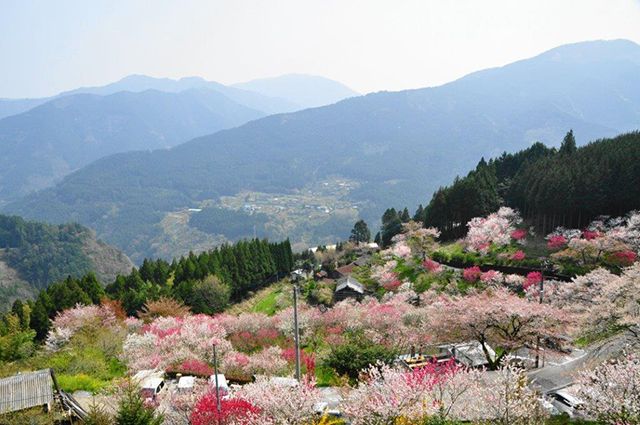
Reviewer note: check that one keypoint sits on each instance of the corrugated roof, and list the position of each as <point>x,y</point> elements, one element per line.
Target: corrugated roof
<point>350,282</point>
<point>26,390</point>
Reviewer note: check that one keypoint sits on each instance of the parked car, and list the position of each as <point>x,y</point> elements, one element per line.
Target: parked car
<point>151,387</point>
<point>186,383</point>
<point>223,385</point>
<point>566,402</point>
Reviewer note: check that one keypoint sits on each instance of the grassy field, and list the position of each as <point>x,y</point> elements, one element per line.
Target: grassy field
<point>268,300</point>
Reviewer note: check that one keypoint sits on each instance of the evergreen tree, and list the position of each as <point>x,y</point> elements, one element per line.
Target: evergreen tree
<point>132,409</point>
<point>391,226</point>
<point>568,145</point>
<point>360,232</point>
<point>404,216</point>
<point>419,214</point>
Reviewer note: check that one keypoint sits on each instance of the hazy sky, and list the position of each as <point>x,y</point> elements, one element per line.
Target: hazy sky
<point>50,46</point>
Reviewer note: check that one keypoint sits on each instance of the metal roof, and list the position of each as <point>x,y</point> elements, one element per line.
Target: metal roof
<point>350,282</point>
<point>26,390</point>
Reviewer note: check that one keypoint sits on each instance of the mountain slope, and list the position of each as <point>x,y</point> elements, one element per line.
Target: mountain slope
<point>42,145</point>
<point>386,149</point>
<point>33,255</point>
<point>307,91</point>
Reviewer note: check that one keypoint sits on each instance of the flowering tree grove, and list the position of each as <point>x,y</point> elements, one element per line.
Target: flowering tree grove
<point>495,318</point>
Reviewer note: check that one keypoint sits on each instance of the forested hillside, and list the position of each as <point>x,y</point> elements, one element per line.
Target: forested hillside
<point>384,148</point>
<point>33,255</point>
<point>551,187</point>
<point>206,282</point>
<point>41,146</point>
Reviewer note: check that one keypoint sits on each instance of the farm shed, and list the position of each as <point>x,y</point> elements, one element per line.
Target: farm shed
<point>26,390</point>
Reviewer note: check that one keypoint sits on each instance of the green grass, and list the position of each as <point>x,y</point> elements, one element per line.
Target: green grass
<point>80,382</point>
<point>267,300</point>
<point>267,305</point>
<point>592,337</point>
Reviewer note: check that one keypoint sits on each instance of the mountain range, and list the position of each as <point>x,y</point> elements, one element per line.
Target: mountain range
<point>353,158</point>
<point>58,135</point>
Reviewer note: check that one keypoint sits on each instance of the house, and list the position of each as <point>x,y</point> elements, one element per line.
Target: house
<point>300,274</point>
<point>348,287</point>
<point>345,270</point>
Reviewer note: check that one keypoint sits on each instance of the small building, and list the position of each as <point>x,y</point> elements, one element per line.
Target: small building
<point>34,389</point>
<point>345,270</point>
<point>300,274</point>
<point>348,287</point>
<point>26,390</point>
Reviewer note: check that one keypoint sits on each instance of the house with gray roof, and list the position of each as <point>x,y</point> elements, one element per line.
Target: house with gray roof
<point>348,287</point>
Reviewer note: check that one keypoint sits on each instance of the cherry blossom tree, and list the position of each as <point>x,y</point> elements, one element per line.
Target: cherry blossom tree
<point>496,318</point>
<point>472,274</point>
<point>281,403</point>
<point>497,229</point>
<point>421,240</point>
<point>68,322</point>
<point>600,299</point>
<point>611,391</point>
<point>169,340</point>
<point>506,398</point>
<point>388,396</point>
<point>233,411</point>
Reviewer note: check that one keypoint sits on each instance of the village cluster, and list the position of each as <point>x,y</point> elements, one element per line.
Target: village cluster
<point>403,334</point>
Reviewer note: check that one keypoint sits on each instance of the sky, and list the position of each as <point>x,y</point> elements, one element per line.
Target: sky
<point>370,45</point>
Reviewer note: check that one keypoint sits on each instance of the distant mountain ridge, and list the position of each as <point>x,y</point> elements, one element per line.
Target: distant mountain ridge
<point>396,148</point>
<point>286,93</point>
<point>307,91</point>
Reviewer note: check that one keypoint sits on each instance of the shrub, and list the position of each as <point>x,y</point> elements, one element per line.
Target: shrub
<point>518,256</point>
<point>357,354</point>
<point>97,416</point>
<point>132,409</point>
<point>472,274</point>
<point>233,410</point>
<point>162,307</point>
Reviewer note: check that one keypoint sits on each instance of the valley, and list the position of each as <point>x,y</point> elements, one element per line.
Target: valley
<point>320,213</point>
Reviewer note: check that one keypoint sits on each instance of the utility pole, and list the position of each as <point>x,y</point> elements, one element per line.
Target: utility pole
<point>540,299</point>
<point>215,371</point>
<point>296,331</point>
